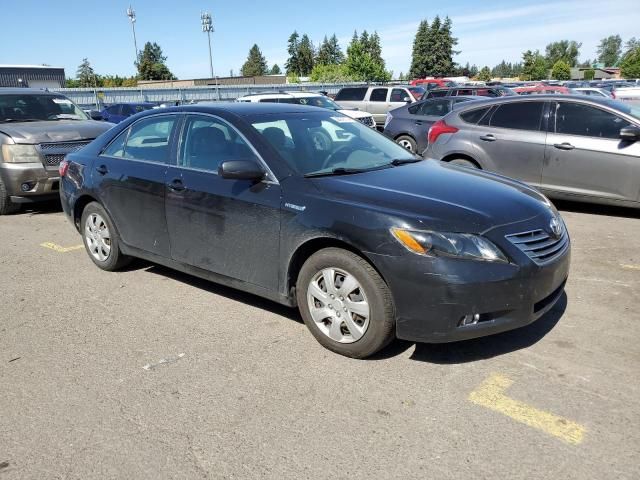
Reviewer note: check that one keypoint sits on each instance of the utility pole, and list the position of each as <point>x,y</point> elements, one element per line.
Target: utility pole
<point>207,26</point>
<point>132,18</point>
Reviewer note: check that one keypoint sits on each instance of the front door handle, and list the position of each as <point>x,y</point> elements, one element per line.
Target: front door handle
<point>488,137</point>
<point>102,170</point>
<point>418,122</point>
<point>563,146</point>
<point>176,185</point>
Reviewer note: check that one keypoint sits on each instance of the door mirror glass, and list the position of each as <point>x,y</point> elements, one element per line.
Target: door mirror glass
<point>630,134</point>
<point>406,100</point>
<point>241,170</point>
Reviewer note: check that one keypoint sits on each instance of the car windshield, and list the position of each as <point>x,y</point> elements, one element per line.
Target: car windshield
<point>314,101</point>
<point>326,143</point>
<point>31,107</point>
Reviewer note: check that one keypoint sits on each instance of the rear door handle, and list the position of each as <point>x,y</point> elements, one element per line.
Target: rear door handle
<point>488,137</point>
<point>102,170</point>
<point>563,146</point>
<point>418,122</point>
<point>176,185</point>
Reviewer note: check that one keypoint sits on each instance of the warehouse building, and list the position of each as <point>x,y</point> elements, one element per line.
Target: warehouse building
<point>32,76</point>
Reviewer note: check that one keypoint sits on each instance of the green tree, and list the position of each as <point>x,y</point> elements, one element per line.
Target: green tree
<point>292,65</point>
<point>561,70</point>
<point>256,64</point>
<point>534,66</point>
<point>329,52</point>
<point>330,74</point>
<point>631,44</point>
<point>443,47</point>
<point>589,74</point>
<point>473,71</point>
<point>630,64</point>
<point>85,75</point>
<point>151,64</point>
<point>421,57</point>
<point>566,50</point>
<point>609,50</point>
<point>361,64</point>
<point>275,70</point>
<point>306,55</point>
<point>484,75</point>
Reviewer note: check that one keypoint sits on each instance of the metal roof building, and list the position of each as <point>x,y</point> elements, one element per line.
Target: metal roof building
<point>33,76</point>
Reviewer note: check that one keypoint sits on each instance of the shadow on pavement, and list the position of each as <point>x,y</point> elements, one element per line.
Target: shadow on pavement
<point>39,208</point>
<point>594,209</point>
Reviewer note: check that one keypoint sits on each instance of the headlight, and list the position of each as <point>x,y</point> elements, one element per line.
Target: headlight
<point>20,154</point>
<point>461,245</point>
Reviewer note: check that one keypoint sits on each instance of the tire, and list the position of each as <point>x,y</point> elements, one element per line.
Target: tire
<point>332,320</point>
<point>407,142</point>
<point>463,162</point>
<point>103,248</point>
<point>6,205</point>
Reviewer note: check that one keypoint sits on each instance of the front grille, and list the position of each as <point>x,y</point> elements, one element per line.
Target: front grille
<point>542,247</point>
<point>368,121</point>
<point>54,153</point>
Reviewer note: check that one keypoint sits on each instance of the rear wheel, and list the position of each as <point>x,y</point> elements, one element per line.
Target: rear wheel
<point>101,239</point>
<point>6,205</point>
<point>463,162</point>
<point>345,303</point>
<point>407,142</point>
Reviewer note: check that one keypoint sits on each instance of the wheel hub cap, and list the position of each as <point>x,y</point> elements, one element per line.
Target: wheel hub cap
<point>97,237</point>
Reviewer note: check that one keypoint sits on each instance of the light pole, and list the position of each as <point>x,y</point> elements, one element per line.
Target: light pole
<point>132,18</point>
<point>207,26</point>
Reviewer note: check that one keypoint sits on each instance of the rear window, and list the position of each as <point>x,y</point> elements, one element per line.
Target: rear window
<point>474,116</point>
<point>519,116</point>
<point>351,94</point>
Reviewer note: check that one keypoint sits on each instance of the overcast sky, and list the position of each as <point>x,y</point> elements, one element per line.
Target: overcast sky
<point>62,33</point>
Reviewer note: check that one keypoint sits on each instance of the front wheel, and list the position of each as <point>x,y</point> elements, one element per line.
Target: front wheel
<point>6,205</point>
<point>101,239</point>
<point>345,303</point>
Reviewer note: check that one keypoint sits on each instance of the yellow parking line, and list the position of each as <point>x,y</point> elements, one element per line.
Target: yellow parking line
<point>60,249</point>
<point>491,394</point>
<point>630,267</point>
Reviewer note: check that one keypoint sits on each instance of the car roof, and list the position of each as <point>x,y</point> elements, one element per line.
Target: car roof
<point>283,95</point>
<point>609,102</point>
<point>244,108</point>
<point>32,91</point>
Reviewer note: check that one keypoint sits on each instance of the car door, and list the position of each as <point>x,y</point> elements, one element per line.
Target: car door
<point>229,227</point>
<point>130,181</point>
<point>377,104</point>
<point>398,97</point>
<point>585,155</point>
<point>513,140</point>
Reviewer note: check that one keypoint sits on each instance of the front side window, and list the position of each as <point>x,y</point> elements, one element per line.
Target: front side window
<point>378,95</point>
<point>587,121</point>
<point>146,140</point>
<point>399,95</point>
<point>519,116</point>
<point>209,141</point>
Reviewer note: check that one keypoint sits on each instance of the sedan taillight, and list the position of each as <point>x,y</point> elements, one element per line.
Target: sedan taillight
<point>438,129</point>
<point>64,166</point>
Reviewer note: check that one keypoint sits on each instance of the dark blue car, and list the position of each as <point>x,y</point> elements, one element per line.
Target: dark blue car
<point>119,111</point>
<point>409,125</point>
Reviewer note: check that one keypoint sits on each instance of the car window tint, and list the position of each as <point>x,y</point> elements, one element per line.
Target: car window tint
<point>113,110</point>
<point>116,147</point>
<point>474,116</point>
<point>437,93</point>
<point>520,116</point>
<point>268,100</point>
<point>351,94</point>
<point>587,121</point>
<point>438,108</point>
<point>464,92</point>
<point>209,141</point>
<point>398,95</point>
<point>127,110</point>
<point>414,109</point>
<point>149,139</point>
<point>378,95</point>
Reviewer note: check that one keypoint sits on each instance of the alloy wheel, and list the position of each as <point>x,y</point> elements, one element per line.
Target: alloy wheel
<point>98,237</point>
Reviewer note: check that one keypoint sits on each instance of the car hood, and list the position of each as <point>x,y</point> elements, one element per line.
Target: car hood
<point>54,131</point>
<point>440,195</point>
<point>354,113</point>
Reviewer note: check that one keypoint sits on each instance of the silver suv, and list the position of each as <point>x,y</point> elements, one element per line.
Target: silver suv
<point>378,100</point>
<point>37,129</point>
<point>571,147</point>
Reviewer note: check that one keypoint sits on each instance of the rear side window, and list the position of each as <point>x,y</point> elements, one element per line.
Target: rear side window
<point>437,93</point>
<point>519,116</point>
<point>437,108</point>
<point>268,100</point>
<point>351,94</point>
<point>378,95</point>
<point>474,116</point>
<point>587,121</point>
<point>465,91</point>
<point>147,140</point>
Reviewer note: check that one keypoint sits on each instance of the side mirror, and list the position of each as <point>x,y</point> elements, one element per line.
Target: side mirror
<point>95,115</point>
<point>406,100</point>
<point>631,134</point>
<point>241,170</point>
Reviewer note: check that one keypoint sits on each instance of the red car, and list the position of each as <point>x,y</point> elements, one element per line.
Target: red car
<point>541,89</point>
<point>430,83</point>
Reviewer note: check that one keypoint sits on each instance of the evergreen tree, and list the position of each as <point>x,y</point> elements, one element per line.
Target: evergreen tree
<point>565,50</point>
<point>485,74</point>
<point>473,71</point>
<point>534,66</point>
<point>361,65</point>
<point>306,55</point>
<point>324,54</point>
<point>631,45</point>
<point>256,64</point>
<point>561,70</point>
<point>85,74</point>
<point>293,65</point>
<point>443,44</point>
<point>609,50</point>
<point>151,64</point>
<point>421,59</point>
<point>336,56</point>
<point>275,70</point>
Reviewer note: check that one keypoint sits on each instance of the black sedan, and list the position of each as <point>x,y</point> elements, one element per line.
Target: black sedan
<point>312,209</point>
<point>409,125</point>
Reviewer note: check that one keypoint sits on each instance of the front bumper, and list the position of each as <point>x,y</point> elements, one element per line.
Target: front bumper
<point>44,183</point>
<point>432,295</point>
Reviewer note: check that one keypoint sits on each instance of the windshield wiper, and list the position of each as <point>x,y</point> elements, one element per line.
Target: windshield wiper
<point>336,171</point>
<point>403,161</point>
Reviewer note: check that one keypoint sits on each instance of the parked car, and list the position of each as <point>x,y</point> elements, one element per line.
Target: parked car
<point>482,91</point>
<point>593,92</point>
<point>119,111</point>
<point>542,89</point>
<point>570,147</point>
<point>37,129</point>
<point>408,126</point>
<point>367,240</point>
<point>378,100</point>
<point>430,83</point>
<point>311,99</point>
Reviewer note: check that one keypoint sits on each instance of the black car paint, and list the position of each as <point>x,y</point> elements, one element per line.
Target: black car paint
<point>255,236</point>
